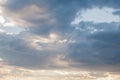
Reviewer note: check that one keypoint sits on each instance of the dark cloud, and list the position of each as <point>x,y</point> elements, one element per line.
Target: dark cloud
<point>62,12</point>
<point>117,12</point>
<point>108,3</point>
<point>98,50</point>
<point>15,50</point>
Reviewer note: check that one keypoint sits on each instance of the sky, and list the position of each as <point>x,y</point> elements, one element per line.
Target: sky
<point>59,39</point>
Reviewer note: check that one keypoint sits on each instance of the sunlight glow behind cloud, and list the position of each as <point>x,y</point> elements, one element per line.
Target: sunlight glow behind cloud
<point>12,73</point>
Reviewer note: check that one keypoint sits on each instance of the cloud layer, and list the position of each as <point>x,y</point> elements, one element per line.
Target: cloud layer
<point>74,34</point>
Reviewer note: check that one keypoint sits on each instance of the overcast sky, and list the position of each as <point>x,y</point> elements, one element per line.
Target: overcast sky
<point>60,39</point>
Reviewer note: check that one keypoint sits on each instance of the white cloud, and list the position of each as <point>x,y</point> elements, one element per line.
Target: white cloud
<point>9,27</point>
<point>96,15</point>
<point>2,20</point>
<point>11,73</point>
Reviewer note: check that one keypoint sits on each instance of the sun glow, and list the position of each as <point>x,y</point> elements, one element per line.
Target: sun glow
<point>108,78</point>
<point>53,36</point>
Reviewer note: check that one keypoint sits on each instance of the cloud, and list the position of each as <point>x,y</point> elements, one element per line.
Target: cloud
<point>10,72</point>
<point>47,40</point>
<point>23,50</point>
<point>42,17</point>
<point>95,51</point>
<point>96,15</point>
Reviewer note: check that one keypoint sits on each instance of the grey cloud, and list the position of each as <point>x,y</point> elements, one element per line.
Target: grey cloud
<point>117,13</point>
<point>98,51</point>
<point>103,26</point>
<point>62,12</point>
<point>16,51</point>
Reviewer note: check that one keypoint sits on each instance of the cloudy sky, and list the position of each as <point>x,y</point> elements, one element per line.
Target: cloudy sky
<point>59,39</point>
